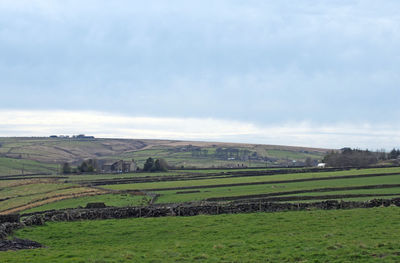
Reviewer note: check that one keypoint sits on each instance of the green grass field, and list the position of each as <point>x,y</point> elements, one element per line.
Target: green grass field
<point>11,166</point>
<point>32,192</point>
<point>172,197</point>
<point>88,177</point>
<point>119,200</point>
<point>248,179</point>
<point>359,235</point>
<point>21,195</point>
<point>40,197</point>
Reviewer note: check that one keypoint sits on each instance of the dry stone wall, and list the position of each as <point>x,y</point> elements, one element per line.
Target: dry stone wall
<point>186,209</point>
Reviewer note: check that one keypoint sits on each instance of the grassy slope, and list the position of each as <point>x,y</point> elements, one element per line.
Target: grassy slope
<point>10,166</point>
<point>40,189</point>
<point>360,235</point>
<point>119,200</point>
<point>171,196</point>
<point>395,190</point>
<point>248,179</point>
<point>38,197</point>
<point>24,190</point>
<point>49,150</point>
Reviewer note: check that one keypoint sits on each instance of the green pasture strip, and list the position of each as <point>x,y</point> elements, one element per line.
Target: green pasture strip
<point>11,166</point>
<point>355,199</point>
<point>90,177</point>
<point>170,196</point>
<point>24,200</point>
<point>248,179</point>
<point>29,189</point>
<point>357,235</point>
<point>395,190</point>
<point>234,170</point>
<point>119,200</point>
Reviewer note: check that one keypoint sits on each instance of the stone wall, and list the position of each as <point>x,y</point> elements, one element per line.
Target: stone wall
<point>186,209</point>
<point>9,218</point>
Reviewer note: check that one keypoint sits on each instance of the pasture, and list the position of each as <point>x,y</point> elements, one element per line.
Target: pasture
<point>27,195</point>
<point>358,235</point>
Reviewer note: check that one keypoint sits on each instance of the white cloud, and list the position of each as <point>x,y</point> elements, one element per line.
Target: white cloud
<point>100,124</point>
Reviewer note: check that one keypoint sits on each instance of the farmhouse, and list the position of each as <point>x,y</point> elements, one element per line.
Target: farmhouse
<point>120,166</point>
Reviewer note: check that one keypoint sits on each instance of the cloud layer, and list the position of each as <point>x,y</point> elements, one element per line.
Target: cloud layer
<point>318,73</point>
<point>263,61</point>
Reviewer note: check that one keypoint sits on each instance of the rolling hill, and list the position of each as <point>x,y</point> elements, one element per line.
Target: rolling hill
<point>44,154</point>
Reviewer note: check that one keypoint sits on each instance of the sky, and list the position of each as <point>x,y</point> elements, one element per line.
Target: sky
<point>306,73</point>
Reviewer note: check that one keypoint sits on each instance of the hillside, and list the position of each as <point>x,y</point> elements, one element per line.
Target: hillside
<point>51,152</point>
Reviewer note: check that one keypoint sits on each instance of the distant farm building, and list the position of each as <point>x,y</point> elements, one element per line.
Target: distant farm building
<point>321,165</point>
<point>83,136</point>
<point>119,167</point>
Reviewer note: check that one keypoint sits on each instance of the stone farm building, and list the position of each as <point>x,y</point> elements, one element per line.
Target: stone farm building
<point>119,167</point>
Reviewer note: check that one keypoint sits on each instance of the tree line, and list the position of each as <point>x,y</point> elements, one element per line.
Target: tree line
<point>348,157</point>
<point>92,165</point>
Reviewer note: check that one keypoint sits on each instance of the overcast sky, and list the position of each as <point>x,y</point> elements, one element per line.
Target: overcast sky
<point>309,73</point>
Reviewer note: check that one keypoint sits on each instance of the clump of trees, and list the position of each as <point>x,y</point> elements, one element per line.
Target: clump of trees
<point>87,166</point>
<point>66,169</point>
<point>394,154</point>
<point>348,157</point>
<point>158,165</point>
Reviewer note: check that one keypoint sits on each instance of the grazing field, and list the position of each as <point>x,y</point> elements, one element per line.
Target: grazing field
<point>244,187</point>
<point>119,200</point>
<point>25,194</point>
<point>171,196</point>
<point>250,179</point>
<point>186,186</point>
<point>103,177</point>
<point>12,166</point>
<point>358,235</point>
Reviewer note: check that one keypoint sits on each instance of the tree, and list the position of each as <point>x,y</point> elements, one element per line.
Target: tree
<point>350,158</point>
<point>66,169</point>
<point>155,166</point>
<point>394,154</point>
<point>148,165</point>
<point>161,165</point>
<point>87,166</point>
<point>83,168</point>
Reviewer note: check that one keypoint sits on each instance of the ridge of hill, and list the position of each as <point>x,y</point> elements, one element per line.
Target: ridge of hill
<point>56,151</point>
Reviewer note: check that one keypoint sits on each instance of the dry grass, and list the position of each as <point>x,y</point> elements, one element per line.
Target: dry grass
<point>54,198</point>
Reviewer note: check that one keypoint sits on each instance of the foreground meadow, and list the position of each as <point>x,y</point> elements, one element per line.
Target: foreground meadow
<point>359,235</point>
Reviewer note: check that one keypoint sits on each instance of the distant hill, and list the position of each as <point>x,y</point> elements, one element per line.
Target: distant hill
<point>178,153</point>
